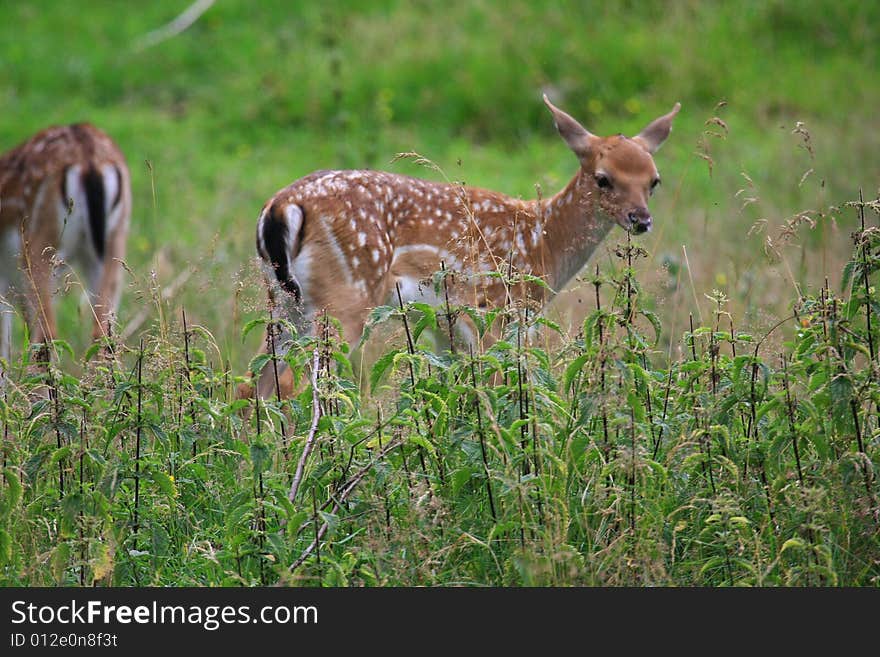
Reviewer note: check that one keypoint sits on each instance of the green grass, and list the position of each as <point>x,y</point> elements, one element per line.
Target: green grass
<point>215,120</point>
<point>597,461</point>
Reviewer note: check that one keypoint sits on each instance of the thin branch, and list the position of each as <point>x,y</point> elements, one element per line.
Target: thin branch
<point>313,430</point>
<point>175,27</point>
<point>340,499</point>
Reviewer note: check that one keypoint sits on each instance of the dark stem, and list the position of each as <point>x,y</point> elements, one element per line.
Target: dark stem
<point>523,430</point>
<point>384,481</point>
<point>56,402</point>
<point>82,547</point>
<point>600,324</point>
<point>192,410</point>
<point>137,441</point>
<point>632,476</point>
<point>270,337</point>
<point>412,376</point>
<point>449,317</point>
<point>864,251</point>
<point>708,467</point>
<point>482,439</point>
<point>663,421</point>
<point>629,292</point>
<point>855,414</point>
<point>790,413</point>
<point>648,402</point>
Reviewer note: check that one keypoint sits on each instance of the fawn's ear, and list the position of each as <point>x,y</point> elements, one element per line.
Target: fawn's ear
<point>578,138</point>
<point>656,132</point>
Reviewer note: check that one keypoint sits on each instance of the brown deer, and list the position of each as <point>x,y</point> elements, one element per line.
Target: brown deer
<point>344,241</point>
<point>65,199</point>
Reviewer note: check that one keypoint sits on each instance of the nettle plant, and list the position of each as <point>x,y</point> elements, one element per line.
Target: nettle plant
<point>543,458</point>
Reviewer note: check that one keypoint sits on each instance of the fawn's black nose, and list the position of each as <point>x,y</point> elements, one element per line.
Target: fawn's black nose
<point>640,220</point>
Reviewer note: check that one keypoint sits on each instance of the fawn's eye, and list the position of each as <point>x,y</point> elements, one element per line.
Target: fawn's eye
<point>655,184</point>
<point>603,181</point>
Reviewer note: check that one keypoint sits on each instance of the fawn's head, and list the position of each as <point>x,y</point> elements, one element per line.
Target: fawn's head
<point>620,170</point>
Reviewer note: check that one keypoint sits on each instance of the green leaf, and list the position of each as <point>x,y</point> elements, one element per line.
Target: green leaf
<point>60,454</point>
<point>792,543</point>
<point>260,456</point>
<point>251,325</point>
<point>537,280</point>
<point>426,321</point>
<point>571,371</point>
<point>238,517</point>
<point>418,439</point>
<point>71,508</point>
<point>5,547</point>
<point>655,322</point>
<point>378,315</point>
<point>713,562</point>
<point>847,274</point>
<point>165,483</point>
<point>63,345</point>
<point>295,522</point>
<point>331,519</point>
<point>553,326</point>
<point>437,360</point>
<point>635,403</point>
<point>424,308</point>
<point>236,406</point>
<point>60,560</point>
<point>478,318</point>
<point>841,393</point>
<point>460,478</point>
<point>93,349</point>
<point>381,365</point>
<point>13,491</point>
<point>258,362</point>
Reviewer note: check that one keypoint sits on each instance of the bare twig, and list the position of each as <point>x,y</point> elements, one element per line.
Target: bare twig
<point>175,27</point>
<point>340,500</point>
<point>313,430</point>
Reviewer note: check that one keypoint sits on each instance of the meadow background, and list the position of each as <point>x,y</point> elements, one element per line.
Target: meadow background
<point>778,131</point>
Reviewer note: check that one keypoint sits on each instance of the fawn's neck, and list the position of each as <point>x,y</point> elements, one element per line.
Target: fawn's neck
<point>572,227</point>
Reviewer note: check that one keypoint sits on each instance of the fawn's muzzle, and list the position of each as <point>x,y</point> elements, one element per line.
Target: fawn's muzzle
<point>640,221</point>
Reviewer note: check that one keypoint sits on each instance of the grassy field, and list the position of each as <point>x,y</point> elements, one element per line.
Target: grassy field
<point>733,454</point>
